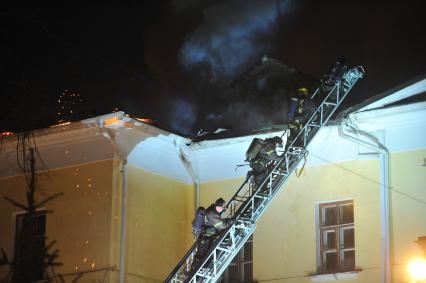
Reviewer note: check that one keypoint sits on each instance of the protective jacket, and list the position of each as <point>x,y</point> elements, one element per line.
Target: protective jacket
<point>268,150</point>
<point>300,111</point>
<point>213,221</point>
<point>260,163</point>
<point>337,71</point>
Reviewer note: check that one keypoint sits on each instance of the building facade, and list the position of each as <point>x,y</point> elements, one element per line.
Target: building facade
<point>351,213</point>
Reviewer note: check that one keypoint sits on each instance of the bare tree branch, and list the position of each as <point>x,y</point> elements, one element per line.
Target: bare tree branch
<point>16,203</point>
<point>49,199</point>
<point>50,245</point>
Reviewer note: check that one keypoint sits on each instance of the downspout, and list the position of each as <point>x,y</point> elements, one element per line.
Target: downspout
<point>123,171</point>
<point>196,194</point>
<point>187,164</point>
<point>123,220</point>
<point>384,190</point>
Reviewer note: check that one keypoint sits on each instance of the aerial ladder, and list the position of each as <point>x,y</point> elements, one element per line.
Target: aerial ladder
<point>250,201</point>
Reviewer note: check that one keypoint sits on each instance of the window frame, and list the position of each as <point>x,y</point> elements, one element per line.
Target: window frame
<point>337,228</point>
<point>18,219</point>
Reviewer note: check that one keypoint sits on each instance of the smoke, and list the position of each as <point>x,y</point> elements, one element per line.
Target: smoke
<point>181,115</point>
<point>232,34</point>
<point>247,114</point>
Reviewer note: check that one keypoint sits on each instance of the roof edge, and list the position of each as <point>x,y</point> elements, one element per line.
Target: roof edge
<point>378,100</point>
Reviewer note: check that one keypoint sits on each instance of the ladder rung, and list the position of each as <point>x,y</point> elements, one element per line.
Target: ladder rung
<point>330,103</point>
<point>224,250</point>
<point>314,125</point>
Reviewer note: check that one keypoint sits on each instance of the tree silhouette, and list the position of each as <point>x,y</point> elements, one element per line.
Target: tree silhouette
<point>32,259</point>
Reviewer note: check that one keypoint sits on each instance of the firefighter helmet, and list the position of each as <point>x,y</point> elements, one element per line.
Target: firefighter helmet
<point>220,202</point>
<point>302,91</point>
<point>277,140</point>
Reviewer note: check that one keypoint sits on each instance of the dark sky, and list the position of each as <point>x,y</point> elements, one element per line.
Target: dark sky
<point>171,60</point>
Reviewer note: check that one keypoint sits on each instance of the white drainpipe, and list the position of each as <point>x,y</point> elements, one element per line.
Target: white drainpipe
<point>123,198</point>
<point>123,220</point>
<point>384,192</point>
<point>197,194</point>
<point>187,164</point>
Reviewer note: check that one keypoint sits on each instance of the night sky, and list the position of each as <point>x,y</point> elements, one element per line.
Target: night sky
<point>173,61</point>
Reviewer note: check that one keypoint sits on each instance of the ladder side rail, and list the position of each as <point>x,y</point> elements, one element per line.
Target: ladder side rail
<point>209,252</point>
<point>236,204</point>
<point>236,193</point>
<point>350,77</point>
<point>248,204</point>
<point>306,125</point>
<point>233,199</point>
<point>319,110</point>
<point>352,81</point>
<point>257,214</point>
<point>261,209</point>
<point>239,208</point>
<point>182,264</point>
<point>239,241</point>
<point>221,258</point>
<point>239,194</point>
<point>229,259</point>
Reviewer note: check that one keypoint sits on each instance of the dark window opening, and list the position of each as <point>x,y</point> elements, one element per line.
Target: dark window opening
<point>29,246</point>
<point>337,237</point>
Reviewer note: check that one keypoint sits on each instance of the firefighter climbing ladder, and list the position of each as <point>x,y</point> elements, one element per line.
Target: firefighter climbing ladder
<point>249,202</point>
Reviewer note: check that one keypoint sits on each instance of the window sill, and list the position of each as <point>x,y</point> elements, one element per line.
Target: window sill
<point>334,276</point>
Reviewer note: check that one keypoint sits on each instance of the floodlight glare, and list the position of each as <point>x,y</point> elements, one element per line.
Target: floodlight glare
<point>417,269</point>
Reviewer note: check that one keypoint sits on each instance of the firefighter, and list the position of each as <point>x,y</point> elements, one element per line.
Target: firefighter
<point>338,70</point>
<point>301,108</point>
<point>335,74</point>
<point>268,149</point>
<point>262,161</point>
<point>258,170</point>
<point>214,224</point>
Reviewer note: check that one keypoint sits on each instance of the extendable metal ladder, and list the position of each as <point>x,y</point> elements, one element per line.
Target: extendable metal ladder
<point>249,202</point>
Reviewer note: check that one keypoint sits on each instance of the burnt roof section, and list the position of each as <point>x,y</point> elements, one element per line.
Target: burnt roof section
<point>256,99</point>
<point>270,74</point>
<point>225,134</point>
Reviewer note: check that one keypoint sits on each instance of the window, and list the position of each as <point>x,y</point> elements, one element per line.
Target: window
<point>30,242</point>
<point>337,237</point>
<point>241,267</point>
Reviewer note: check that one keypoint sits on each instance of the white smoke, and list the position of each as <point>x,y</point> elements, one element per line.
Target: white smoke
<point>181,115</point>
<point>231,36</point>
